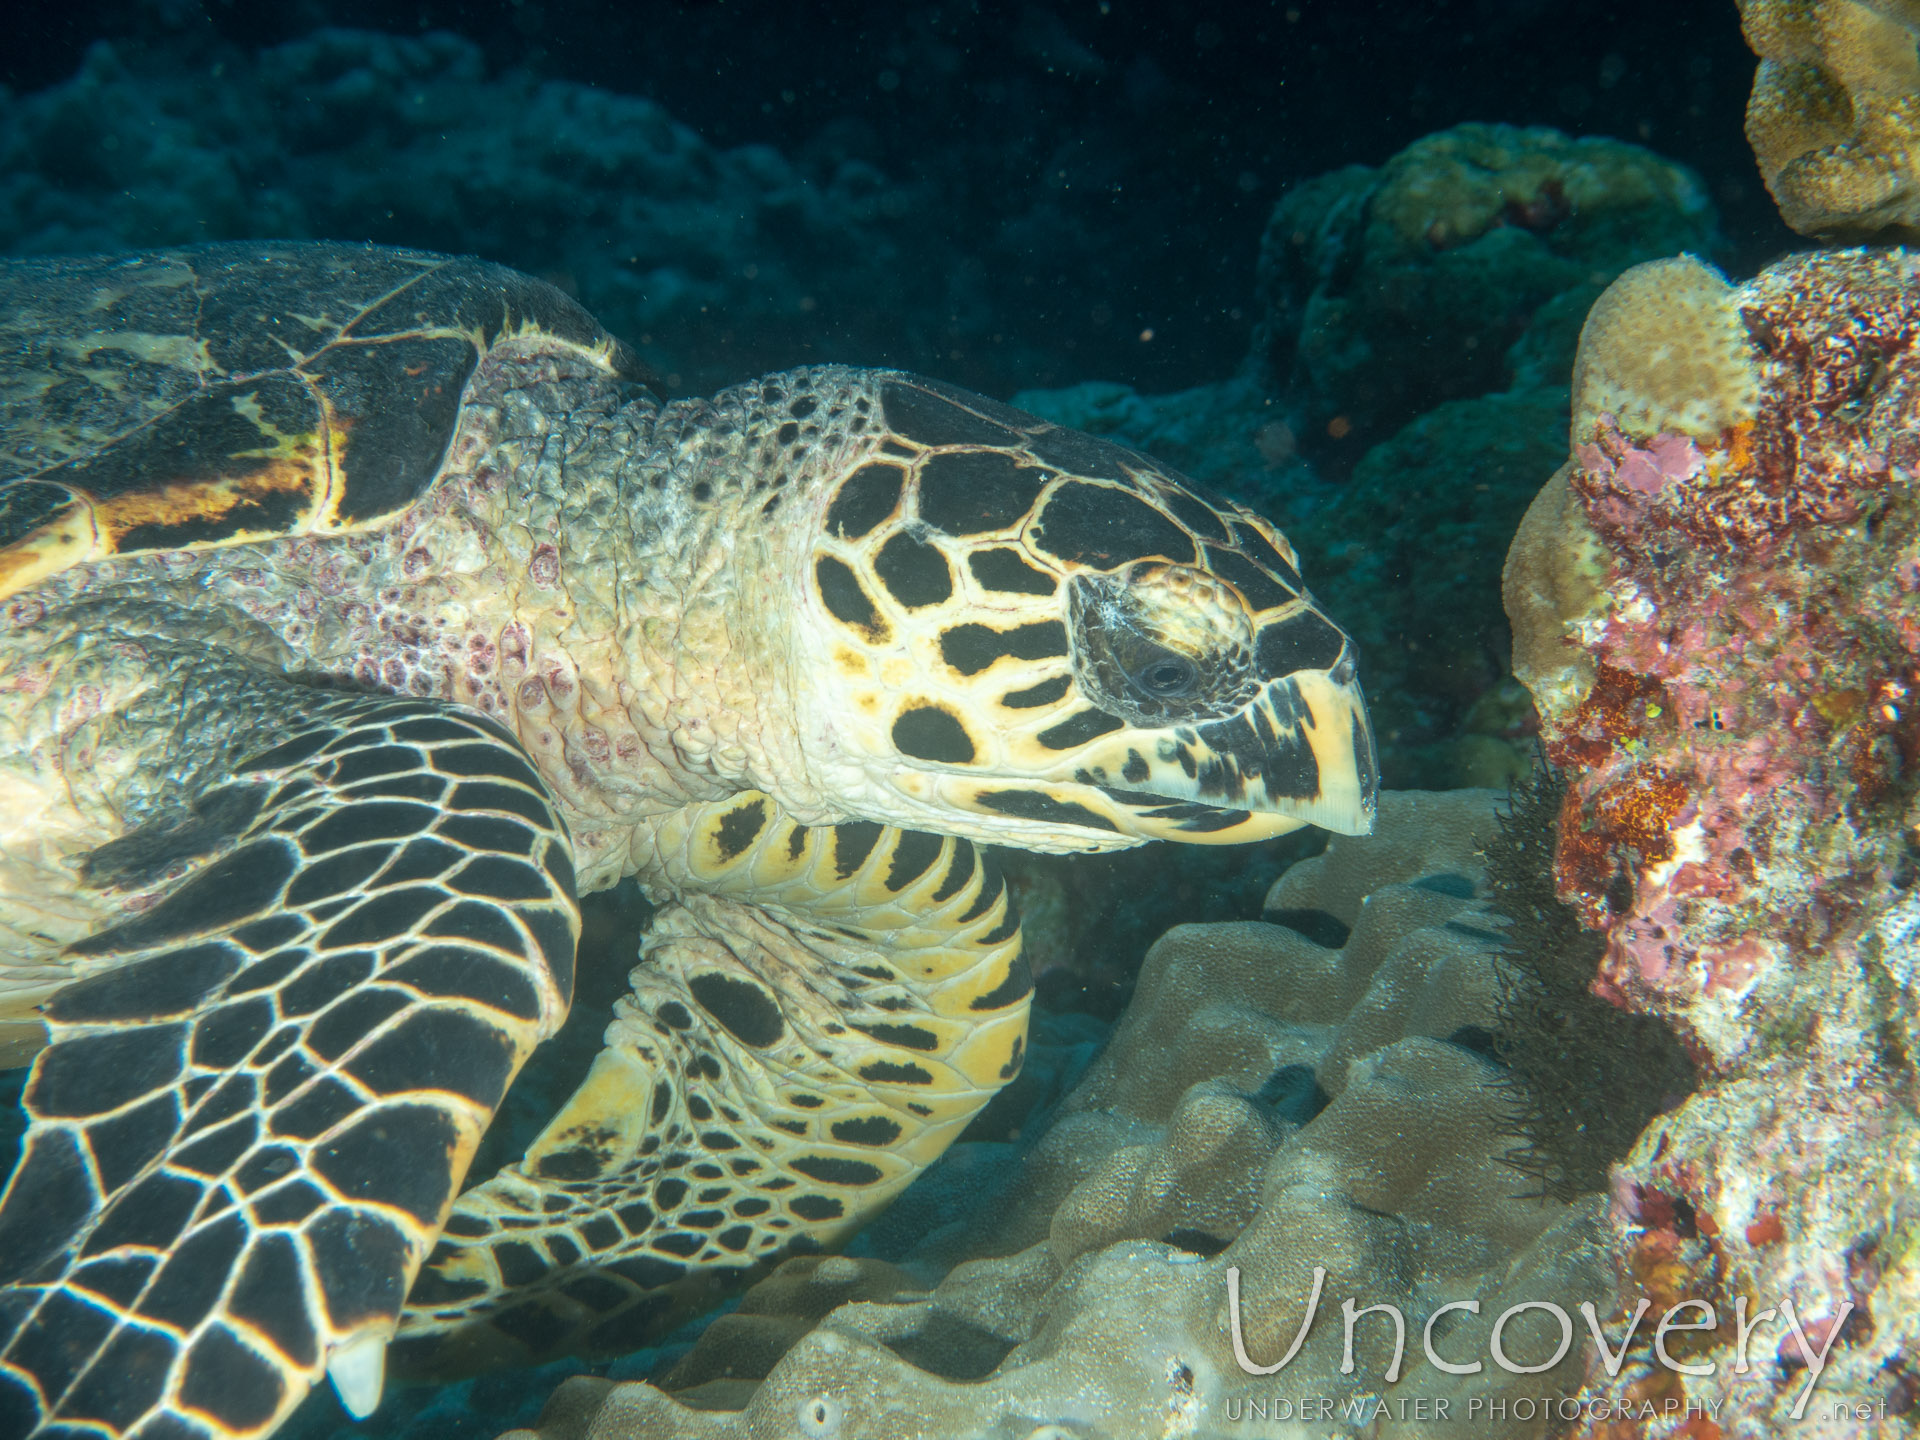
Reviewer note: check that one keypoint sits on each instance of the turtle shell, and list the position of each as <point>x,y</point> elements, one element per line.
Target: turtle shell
<point>183,399</point>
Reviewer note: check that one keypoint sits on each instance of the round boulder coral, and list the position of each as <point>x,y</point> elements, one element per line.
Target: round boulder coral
<point>1835,112</point>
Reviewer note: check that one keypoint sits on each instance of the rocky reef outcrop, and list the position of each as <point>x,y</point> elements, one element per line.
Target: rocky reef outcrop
<point>1313,1093</point>
<point>1716,605</point>
<point>1419,319</point>
<point>1385,291</point>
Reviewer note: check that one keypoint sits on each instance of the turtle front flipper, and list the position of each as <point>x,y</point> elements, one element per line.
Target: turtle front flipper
<point>781,1071</point>
<point>245,1135</point>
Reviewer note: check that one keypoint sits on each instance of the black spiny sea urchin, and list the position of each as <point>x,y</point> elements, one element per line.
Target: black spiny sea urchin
<point>1586,1075</point>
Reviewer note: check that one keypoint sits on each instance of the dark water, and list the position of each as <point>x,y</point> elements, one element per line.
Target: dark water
<point>1039,184</point>
<point>1013,197</point>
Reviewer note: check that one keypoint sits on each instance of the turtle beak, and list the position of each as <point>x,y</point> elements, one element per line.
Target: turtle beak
<point>1300,752</point>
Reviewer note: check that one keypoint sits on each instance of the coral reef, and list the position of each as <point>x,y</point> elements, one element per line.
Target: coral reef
<point>1835,112</point>
<point>1716,604</point>
<point>1311,1090</point>
<point>1088,919</point>
<point>1384,292</point>
<point>1410,552</point>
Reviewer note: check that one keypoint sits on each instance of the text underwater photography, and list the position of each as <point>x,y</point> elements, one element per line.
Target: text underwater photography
<point>1277,1403</point>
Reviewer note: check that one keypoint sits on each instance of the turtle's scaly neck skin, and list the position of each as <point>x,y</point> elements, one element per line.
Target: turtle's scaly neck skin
<point>583,553</point>
<point>598,571</point>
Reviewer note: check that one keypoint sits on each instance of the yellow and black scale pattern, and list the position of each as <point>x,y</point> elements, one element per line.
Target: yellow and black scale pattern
<point>803,1038</point>
<point>245,1136</point>
<point>824,1009</point>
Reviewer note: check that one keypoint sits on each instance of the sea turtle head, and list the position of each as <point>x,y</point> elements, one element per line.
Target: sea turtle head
<point>1032,637</point>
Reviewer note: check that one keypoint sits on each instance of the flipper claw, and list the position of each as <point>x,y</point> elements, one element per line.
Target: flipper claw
<point>358,1370</point>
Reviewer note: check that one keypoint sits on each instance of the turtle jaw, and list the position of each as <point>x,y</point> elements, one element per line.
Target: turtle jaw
<point>1300,752</point>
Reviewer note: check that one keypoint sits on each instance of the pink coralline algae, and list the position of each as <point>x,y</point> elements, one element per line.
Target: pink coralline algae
<point>1733,683</point>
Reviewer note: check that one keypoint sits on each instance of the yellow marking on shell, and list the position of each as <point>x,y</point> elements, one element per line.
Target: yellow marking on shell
<point>1272,535</point>
<point>302,464</point>
<point>282,444</point>
<point>167,272</point>
<point>174,352</point>
<point>71,539</point>
<point>319,324</point>
<point>335,429</point>
<point>20,1041</point>
<point>107,296</point>
<point>31,385</point>
<point>600,352</point>
<point>212,501</point>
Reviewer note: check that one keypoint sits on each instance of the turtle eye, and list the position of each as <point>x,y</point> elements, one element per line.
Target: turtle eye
<point>1168,677</point>
<point>1156,659</point>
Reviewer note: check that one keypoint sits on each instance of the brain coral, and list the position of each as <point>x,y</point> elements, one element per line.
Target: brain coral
<point>1835,111</point>
<point>1270,1103</point>
<point>1740,586</point>
<point>1664,348</point>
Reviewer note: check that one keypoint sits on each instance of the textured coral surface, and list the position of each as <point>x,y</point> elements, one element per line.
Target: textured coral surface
<point>1271,1103</point>
<point>1717,605</point>
<point>1835,112</point>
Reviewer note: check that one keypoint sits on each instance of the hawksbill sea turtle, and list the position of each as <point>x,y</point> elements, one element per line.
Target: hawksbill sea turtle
<point>359,611</point>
